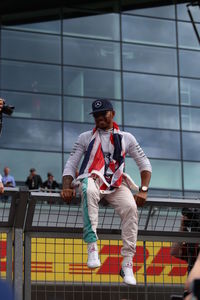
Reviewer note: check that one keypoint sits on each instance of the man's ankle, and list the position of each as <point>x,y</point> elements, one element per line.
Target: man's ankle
<point>127,260</point>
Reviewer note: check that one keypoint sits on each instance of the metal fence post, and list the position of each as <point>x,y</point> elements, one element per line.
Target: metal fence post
<point>27,266</point>
<point>18,264</point>
<point>145,271</point>
<point>144,249</point>
<point>21,205</point>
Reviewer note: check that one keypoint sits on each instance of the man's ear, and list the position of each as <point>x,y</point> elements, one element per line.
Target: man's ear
<point>113,113</point>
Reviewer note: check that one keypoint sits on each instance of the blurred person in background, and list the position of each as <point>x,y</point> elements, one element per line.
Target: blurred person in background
<point>192,290</point>
<point>50,183</point>
<point>33,181</point>
<point>7,179</point>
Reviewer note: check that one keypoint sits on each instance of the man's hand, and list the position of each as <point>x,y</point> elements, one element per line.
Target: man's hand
<point>68,194</point>
<point>8,184</point>
<point>1,103</point>
<point>140,198</point>
<point>1,188</point>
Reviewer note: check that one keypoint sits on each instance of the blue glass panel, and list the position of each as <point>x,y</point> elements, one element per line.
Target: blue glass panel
<point>151,31</point>
<point>158,143</point>
<point>191,145</point>
<point>149,59</point>
<point>31,134</point>
<point>30,46</point>
<point>91,53</point>
<point>21,76</point>
<point>189,63</point>
<point>20,163</point>
<point>191,175</point>
<point>150,88</point>
<point>104,26</point>
<point>92,83</point>
<point>151,115</point>
<point>38,106</point>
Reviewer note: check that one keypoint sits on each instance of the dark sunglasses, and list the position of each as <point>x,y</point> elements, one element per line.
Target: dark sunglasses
<point>100,113</point>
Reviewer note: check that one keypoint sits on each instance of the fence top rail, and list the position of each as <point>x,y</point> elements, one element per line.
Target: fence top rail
<point>155,201</point>
<point>12,189</point>
<point>45,211</point>
<point>159,216</point>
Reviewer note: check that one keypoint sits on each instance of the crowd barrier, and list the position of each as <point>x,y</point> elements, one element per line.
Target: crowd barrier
<point>44,257</point>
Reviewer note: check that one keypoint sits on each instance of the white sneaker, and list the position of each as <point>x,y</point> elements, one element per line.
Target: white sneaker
<point>93,257</point>
<point>126,273</point>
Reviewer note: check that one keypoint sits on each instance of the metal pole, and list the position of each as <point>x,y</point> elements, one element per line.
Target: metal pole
<point>145,272</point>
<point>193,24</point>
<point>27,267</point>
<point>20,215</point>
<point>18,264</point>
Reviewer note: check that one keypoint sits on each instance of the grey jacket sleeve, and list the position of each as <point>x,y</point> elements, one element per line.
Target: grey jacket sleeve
<point>136,152</point>
<point>78,151</point>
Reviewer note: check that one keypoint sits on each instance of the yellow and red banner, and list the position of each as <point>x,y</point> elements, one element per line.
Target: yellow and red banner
<point>66,260</point>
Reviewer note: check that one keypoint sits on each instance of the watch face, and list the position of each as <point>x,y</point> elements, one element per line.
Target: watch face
<point>144,188</point>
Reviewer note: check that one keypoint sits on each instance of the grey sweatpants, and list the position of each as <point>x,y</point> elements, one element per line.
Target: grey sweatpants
<point>124,204</point>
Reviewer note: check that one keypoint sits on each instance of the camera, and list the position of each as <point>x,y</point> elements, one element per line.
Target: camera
<point>8,109</point>
<point>193,219</point>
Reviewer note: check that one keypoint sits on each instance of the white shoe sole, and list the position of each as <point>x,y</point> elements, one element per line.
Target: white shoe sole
<point>132,283</point>
<point>94,265</point>
<point>128,283</point>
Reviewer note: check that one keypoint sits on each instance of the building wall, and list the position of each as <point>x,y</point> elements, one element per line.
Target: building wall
<point>146,61</point>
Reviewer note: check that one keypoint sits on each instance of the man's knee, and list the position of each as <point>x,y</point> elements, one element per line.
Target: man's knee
<point>130,209</point>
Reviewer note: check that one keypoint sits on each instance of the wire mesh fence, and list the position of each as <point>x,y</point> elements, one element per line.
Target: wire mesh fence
<point>5,204</point>
<point>7,212</point>
<point>157,216</point>
<point>59,270</point>
<point>3,238</point>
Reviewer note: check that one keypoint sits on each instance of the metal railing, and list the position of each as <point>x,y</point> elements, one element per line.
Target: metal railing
<point>49,259</point>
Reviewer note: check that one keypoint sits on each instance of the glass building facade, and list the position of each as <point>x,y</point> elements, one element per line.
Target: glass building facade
<point>146,61</point>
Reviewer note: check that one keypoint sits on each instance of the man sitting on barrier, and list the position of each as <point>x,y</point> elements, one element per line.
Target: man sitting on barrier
<point>101,175</point>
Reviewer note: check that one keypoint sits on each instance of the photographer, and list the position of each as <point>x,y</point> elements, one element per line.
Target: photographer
<point>4,109</point>
<point>8,110</point>
<point>188,252</point>
<point>1,107</point>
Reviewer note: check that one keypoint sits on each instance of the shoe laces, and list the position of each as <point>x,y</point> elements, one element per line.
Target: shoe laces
<point>128,265</point>
<point>128,269</point>
<point>91,249</point>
